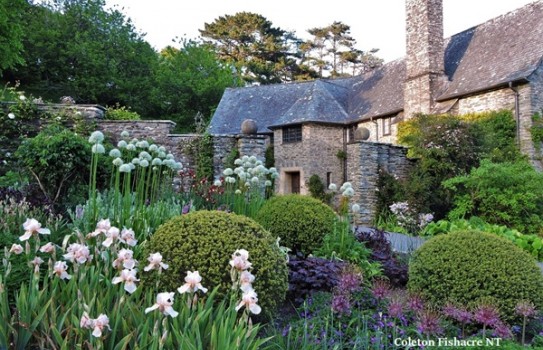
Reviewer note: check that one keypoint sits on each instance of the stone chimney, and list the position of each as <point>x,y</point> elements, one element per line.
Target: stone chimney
<point>425,54</point>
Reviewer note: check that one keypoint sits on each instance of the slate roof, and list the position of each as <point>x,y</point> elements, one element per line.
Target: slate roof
<point>506,49</point>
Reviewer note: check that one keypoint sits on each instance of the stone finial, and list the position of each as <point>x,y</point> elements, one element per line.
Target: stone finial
<point>67,100</point>
<point>249,127</point>
<point>361,134</point>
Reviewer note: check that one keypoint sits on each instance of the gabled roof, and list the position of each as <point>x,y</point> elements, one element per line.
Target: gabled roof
<point>506,49</point>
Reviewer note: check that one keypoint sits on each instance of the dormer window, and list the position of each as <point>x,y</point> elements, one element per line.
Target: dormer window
<point>292,134</point>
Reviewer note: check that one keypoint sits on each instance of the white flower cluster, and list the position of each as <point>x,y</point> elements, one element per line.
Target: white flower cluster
<point>244,279</point>
<point>138,153</point>
<point>346,189</point>
<point>249,173</point>
<point>408,218</point>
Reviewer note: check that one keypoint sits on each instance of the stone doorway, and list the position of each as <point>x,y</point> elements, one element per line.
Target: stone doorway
<point>292,182</point>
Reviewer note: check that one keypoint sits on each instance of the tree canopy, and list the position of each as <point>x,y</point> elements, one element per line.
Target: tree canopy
<point>260,52</point>
<point>189,80</point>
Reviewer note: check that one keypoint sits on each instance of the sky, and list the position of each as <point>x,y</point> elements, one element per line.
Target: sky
<point>374,24</point>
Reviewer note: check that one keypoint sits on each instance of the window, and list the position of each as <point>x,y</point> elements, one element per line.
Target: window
<point>292,134</point>
<point>387,122</point>
<point>328,179</point>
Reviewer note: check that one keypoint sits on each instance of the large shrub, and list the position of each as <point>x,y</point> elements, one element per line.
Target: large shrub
<point>509,194</point>
<point>469,267</point>
<point>446,146</point>
<point>58,161</point>
<point>204,241</point>
<point>300,221</point>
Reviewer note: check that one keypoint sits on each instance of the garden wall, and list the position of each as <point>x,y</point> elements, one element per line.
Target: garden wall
<point>364,160</point>
<point>182,146</point>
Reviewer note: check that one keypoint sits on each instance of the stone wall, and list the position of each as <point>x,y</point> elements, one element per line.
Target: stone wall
<point>364,160</point>
<point>183,146</point>
<point>315,154</point>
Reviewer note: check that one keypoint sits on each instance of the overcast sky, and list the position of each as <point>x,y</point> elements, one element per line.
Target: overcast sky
<point>374,24</point>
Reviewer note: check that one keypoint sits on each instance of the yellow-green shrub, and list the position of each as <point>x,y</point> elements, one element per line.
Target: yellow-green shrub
<point>300,221</point>
<point>204,241</point>
<point>468,267</point>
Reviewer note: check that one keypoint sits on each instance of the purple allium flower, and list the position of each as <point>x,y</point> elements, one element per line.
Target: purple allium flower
<point>525,308</point>
<point>429,323</point>
<point>486,314</point>
<point>341,304</point>
<point>415,303</point>
<point>502,330</point>
<point>380,289</point>
<point>186,209</point>
<point>395,308</point>
<point>349,281</point>
<point>463,316</point>
<point>449,310</point>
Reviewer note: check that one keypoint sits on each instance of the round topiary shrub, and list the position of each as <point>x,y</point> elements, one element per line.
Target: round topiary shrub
<point>468,267</point>
<point>300,221</point>
<point>204,241</point>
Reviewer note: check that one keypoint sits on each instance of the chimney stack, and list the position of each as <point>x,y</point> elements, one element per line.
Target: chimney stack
<point>425,55</point>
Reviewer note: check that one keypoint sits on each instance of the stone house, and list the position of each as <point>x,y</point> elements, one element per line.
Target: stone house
<point>345,129</point>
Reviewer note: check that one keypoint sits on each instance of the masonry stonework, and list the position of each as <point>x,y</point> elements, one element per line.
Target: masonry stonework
<point>317,153</point>
<point>425,50</point>
<point>365,160</point>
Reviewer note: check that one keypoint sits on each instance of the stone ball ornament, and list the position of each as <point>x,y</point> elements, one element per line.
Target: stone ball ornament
<point>361,134</point>
<point>249,127</point>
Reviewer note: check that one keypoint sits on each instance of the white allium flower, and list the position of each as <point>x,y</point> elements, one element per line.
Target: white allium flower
<point>267,183</point>
<point>153,148</point>
<point>243,176</point>
<point>125,134</point>
<point>237,191</point>
<point>239,169</point>
<point>115,153</point>
<point>144,163</point>
<point>217,183</point>
<point>11,116</point>
<point>332,187</point>
<point>122,144</point>
<point>162,149</point>
<point>96,137</point>
<point>252,159</point>
<point>230,180</point>
<point>238,162</point>
<point>169,156</point>
<point>168,162</point>
<point>118,162</point>
<point>161,155</point>
<point>132,166</point>
<point>244,158</point>
<point>134,141</point>
<point>98,148</point>
<point>22,97</point>
<point>136,161</point>
<point>228,172</point>
<point>178,166</point>
<point>130,147</point>
<point>349,192</point>
<point>156,161</point>
<point>355,208</point>
<point>125,168</point>
<point>255,180</point>
<point>145,155</point>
